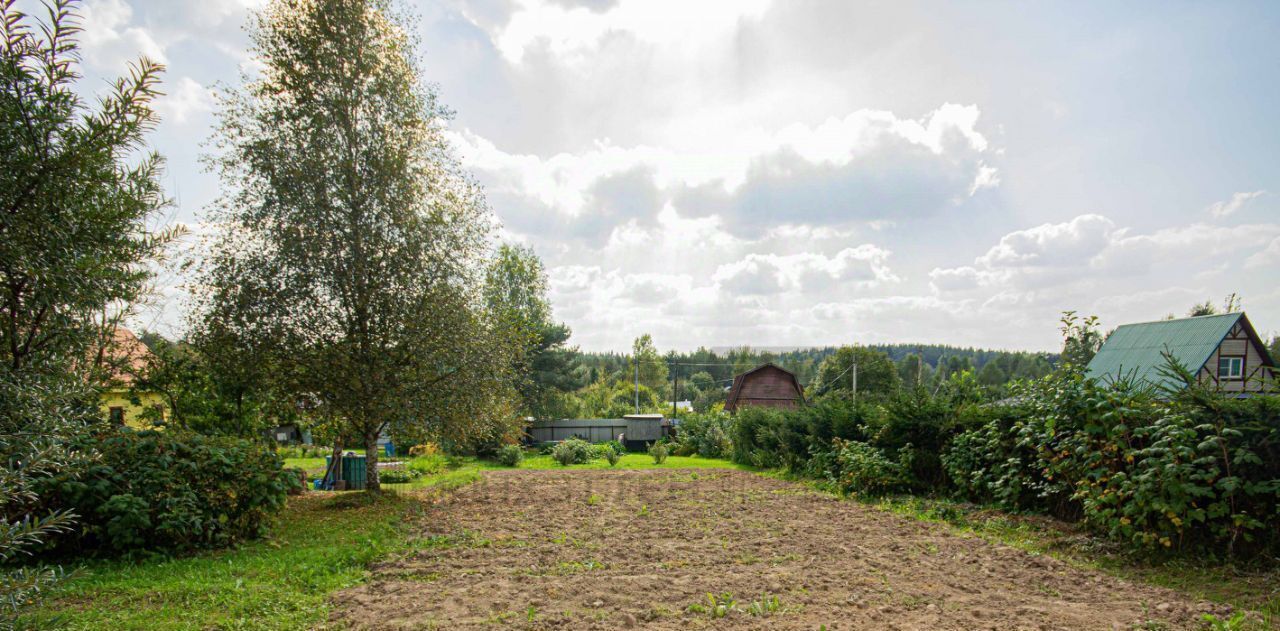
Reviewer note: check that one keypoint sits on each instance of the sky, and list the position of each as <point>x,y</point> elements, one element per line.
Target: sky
<point>799,173</point>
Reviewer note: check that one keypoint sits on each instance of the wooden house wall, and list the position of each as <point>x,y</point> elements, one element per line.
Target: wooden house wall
<point>1238,343</point>
<point>769,387</point>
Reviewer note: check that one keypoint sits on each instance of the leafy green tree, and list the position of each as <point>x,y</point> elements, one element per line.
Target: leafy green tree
<point>652,368</point>
<point>1081,340</point>
<point>515,291</point>
<point>991,375</point>
<point>877,375</point>
<point>353,249</point>
<point>1202,309</point>
<point>77,189</point>
<point>911,371</point>
<point>203,397</point>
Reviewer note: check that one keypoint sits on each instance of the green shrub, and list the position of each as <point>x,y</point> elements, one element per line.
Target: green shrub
<point>865,470</point>
<point>707,435</point>
<point>659,452</point>
<point>612,457</point>
<point>510,455</point>
<point>573,451</point>
<point>169,491</point>
<point>398,476</point>
<point>617,447</point>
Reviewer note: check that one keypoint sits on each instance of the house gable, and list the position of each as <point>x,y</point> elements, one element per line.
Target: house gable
<point>768,386</point>
<point>1241,345</point>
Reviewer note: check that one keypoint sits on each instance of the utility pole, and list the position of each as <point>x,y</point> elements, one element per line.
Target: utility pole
<point>853,377</point>
<point>675,387</point>
<point>636,359</point>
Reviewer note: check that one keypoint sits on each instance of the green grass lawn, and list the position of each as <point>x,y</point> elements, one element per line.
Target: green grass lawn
<point>313,466</point>
<point>323,542</point>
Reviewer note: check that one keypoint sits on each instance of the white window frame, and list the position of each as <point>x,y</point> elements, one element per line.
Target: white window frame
<point>1232,362</point>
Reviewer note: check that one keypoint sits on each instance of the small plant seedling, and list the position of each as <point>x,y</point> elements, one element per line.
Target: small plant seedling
<point>767,604</point>
<point>593,500</point>
<point>1233,623</point>
<point>531,613</point>
<point>716,606</point>
<point>644,510</point>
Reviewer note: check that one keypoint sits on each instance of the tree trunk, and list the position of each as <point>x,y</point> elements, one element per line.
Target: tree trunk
<point>371,462</point>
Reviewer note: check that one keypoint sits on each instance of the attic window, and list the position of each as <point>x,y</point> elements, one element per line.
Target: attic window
<point>1230,367</point>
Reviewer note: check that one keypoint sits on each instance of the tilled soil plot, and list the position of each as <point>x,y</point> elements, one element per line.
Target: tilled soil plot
<point>642,549</point>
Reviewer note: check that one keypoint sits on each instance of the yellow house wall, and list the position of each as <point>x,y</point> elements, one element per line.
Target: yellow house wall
<point>132,411</point>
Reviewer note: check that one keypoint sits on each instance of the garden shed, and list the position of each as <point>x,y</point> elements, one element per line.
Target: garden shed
<point>767,385</point>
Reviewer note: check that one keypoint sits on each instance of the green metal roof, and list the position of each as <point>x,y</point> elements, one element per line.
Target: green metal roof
<point>1136,349</point>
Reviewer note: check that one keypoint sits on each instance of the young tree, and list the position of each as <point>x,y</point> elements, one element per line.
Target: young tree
<point>515,292</point>
<point>652,369</point>
<point>353,246</point>
<point>75,197</point>
<point>1081,340</point>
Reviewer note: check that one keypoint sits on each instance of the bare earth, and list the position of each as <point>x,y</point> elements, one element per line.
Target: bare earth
<point>634,549</point>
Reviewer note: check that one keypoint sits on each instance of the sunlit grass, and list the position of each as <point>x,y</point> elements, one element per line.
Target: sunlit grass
<point>323,542</point>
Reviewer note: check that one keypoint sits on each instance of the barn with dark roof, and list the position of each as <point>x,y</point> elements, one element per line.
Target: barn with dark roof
<point>765,386</point>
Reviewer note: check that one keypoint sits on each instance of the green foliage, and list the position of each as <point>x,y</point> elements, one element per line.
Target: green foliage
<point>707,435</point>
<point>79,191</point>
<point>715,606</point>
<point>515,292</point>
<point>205,395</point>
<point>1185,469</point>
<point>169,492</point>
<point>877,375</point>
<point>612,457</point>
<point>1081,340</point>
<point>510,455</point>
<point>658,451</point>
<point>649,366</point>
<point>399,476</point>
<point>862,469</point>
<point>1197,471</point>
<point>573,451</point>
<point>372,317</point>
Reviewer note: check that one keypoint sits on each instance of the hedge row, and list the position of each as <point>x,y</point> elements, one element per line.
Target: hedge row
<point>1191,470</point>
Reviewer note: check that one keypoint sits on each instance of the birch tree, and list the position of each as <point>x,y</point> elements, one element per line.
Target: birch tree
<point>351,244</point>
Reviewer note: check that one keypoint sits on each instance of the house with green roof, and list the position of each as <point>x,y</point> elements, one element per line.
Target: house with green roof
<point>1223,351</point>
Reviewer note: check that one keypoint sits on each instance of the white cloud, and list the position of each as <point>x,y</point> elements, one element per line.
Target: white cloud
<point>1268,257</point>
<point>860,267</point>
<point>110,41</point>
<point>572,32</point>
<point>1051,244</point>
<point>184,100</point>
<point>890,161</point>
<point>1237,201</point>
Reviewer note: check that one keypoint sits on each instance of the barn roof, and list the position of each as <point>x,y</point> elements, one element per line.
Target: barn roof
<point>1137,349</point>
<point>732,401</point>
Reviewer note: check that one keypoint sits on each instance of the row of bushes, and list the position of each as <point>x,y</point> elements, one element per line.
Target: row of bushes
<point>167,491</point>
<point>1191,469</point>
